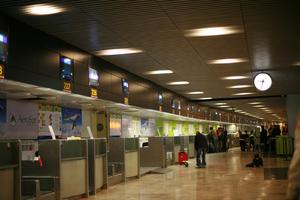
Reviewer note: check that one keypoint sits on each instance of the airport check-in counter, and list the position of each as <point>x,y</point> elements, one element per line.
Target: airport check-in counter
<point>132,157</point>
<point>169,151</point>
<point>153,155</point>
<point>10,170</point>
<point>63,168</point>
<point>191,146</point>
<point>97,164</point>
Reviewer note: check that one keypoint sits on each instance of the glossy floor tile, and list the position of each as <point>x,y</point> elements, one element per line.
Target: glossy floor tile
<point>225,177</point>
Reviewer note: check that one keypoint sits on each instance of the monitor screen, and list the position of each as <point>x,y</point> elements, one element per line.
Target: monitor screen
<point>67,68</point>
<point>93,77</point>
<point>125,88</point>
<point>160,98</point>
<point>3,48</point>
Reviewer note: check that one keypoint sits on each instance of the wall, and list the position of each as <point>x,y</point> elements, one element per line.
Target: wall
<point>293,108</point>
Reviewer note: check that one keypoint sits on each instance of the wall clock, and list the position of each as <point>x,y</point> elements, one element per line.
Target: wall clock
<point>263,81</point>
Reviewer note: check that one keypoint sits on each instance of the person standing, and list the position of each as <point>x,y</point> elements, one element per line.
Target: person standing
<point>224,140</point>
<point>211,141</point>
<point>201,146</point>
<point>263,139</point>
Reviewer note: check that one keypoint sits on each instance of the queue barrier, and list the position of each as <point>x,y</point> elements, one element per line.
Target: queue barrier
<point>10,170</point>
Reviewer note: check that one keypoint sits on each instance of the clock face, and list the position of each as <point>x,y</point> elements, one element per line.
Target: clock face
<point>263,81</point>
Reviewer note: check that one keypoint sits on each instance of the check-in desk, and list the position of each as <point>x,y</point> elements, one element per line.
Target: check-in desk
<point>97,164</point>
<point>10,170</point>
<point>132,158</point>
<point>169,151</point>
<point>153,155</point>
<point>63,168</point>
<point>177,147</point>
<point>191,146</point>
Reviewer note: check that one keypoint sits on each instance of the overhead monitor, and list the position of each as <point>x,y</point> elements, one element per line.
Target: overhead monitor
<point>66,68</point>
<point>160,98</point>
<point>125,88</point>
<point>93,77</point>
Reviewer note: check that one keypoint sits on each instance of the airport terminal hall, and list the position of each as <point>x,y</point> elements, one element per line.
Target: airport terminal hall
<point>149,100</point>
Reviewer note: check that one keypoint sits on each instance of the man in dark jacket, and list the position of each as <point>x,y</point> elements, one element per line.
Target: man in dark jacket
<point>201,146</point>
<point>263,138</point>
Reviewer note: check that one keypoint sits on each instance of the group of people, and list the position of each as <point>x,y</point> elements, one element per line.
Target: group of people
<point>213,142</point>
<point>263,142</point>
<point>217,140</point>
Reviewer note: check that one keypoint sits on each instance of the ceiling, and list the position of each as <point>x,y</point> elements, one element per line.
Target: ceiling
<point>269,41</point>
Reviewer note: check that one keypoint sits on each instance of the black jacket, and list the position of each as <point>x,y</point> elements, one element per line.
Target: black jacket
<point>200,142</point>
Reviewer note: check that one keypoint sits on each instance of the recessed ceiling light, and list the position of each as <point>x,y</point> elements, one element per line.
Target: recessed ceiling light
<point>255,103</point>
<point>220,103</point>
<point>156,72</point>
<point>196,92</point>
<point>238,111</point>
<point>227,61</point>
<point>234,77</point>
<point>205,98</point>
<point>179,83</point>
<point>239,86</point>
<point>42,9</point>
<point>263,108</point>
<point>111,52</point>
<point>296,64</point>
<point>225,106</point>
<point>258,106</point>
<point>242,93</point>
<point>212,31</point>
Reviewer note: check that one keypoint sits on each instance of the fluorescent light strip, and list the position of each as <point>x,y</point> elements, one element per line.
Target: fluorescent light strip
<point>196,92</point>
<point>243,93</point>
<point>42,9</point>
<point>205,98</point>
<point>224,106</point>
<point>255,103</point>
<point>258,106</point>
<point>227,61</point>
<point>122,51</point>
<point>212,31</point>
<point>239,86</point>
<point>157,72</point>
<point>179,83</point>
<point>220,103</point>
<point>234,77</point>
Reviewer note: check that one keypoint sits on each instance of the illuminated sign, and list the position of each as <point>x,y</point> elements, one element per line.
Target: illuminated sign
<point>125,88</point>
<point>67,86</point>
<point>93,77</point>
<point>3,39</point>
<point>94,93</point>
<point>1,71</point>
<point>160,98</point>
<point>66,68</point>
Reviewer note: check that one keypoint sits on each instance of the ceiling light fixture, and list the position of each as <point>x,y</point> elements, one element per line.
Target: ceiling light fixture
<point>212,31</point>
<point>220,103</point>
<point>239,86</point>
<point>42,9</point>
<point>255,103</point>
<point>179,83</point>
<point>122,51</point>
<point>234,77</point>
<point>205,98</point>
<point>226,61</point>
<point>243,93</point>
<point>225,106</point>
<point>157,72</point>
<point>258,106</point>
<point>196,92</point>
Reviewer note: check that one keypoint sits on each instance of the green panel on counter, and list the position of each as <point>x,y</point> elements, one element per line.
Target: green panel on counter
<point>131,144</point>
<point>185,128</point>
<point>73,149</point>
<point>159,127</point>
<point>8,153</point>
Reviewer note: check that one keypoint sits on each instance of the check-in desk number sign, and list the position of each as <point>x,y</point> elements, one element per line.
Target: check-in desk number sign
<point>1,71</point>
<point>94,93</point>
<point>67,86</point>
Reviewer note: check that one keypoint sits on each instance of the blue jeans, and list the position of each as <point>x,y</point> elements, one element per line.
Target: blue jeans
<point>200,156</point>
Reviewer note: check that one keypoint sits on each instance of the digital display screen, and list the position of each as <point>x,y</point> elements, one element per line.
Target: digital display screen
<point>125,88</point>
<point>3,48</point>
<point>67,68</point>
<point>160,98</point>
<point>93,77</point>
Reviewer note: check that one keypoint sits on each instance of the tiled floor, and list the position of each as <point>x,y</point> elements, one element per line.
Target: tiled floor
<point>224,178</point>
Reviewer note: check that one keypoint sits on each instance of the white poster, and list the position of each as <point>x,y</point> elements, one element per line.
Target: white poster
<point>49,116</point>
<point>22,119</point>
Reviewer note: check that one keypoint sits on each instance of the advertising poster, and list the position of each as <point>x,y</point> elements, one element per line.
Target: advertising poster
<point>49,115</point>
<point>22,120</point>
<point>2,117</point>
<point>71,122</point>
<point>144,126</point>
<point>115,125</point>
